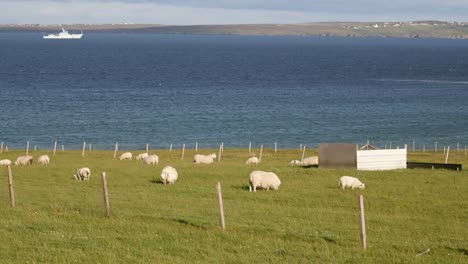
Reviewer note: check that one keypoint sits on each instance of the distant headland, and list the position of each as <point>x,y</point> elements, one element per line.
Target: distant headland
<point>409,29</point>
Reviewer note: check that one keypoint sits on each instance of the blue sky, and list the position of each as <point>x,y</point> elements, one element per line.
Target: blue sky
<point>190,12</point>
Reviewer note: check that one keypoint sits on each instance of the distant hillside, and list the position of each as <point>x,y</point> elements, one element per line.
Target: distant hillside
<point>424,29</point>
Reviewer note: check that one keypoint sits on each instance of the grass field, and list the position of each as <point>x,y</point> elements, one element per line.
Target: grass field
<point>308,220</point>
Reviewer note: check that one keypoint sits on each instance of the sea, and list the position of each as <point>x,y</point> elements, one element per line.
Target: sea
<point>139,89</point>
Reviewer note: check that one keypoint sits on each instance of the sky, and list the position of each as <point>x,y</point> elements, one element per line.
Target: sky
<point>198,12</point>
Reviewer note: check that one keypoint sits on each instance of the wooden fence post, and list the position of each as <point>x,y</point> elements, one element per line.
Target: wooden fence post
<point>106,194</point>
<point>116,149</point>
<point>147,147</point>
<point>27,147</point>
<point>63,148</point>
<point>222,146</point>
<point>84,147</point>
<point>362,222</point>
<point>10,187</point>
<point>250,147</point>
<point>413,145</point>
<point>458,146</point>
<point>89,147</point>
<point>261,154</point>
<point>196,146</point>
<point>35,148</point>
<point>183,151</point>
<point>170,148</point>
<point>1,148</point>
<point>446,156</point>
<point>424,147</point>
<point>220,206</point>
<point>219,153</point>
<point>275,147</point>
<point>55,147</point>
<point>435,147</point>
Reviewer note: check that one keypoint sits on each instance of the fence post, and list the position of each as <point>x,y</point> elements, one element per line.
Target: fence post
<point>435,147</point>
<point>147,147</point>
<point>170,148</point>
<point>106,194</point>
<point>196,146</point>
<point>63,148</point>
<point>219,152</point>
<point>84,147</point>
<point>275,147</point>
<point>446,156</point>
<point>362,222</point>
<point>10,187</point>
<point>27,147</point>
<point>220,206</point>
<point>261,154</point>
<point>183,151</point>
<point>116,149</point>
<point>1,148</point>
<point>250,147</point>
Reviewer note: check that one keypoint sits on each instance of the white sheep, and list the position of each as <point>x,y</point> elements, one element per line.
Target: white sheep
<point>205,159</point>
<point>152,159</point>
<point>142,156</point>
<point>295,162</point>
<point>169,175</point>
<point>43,160</point>
<point>82,174</point>
<point>351,182</point>
<point>5,162</point>
<point>24,160</point>
<point>252,160</point>
<point>310,161</point>
<point>126,156</point>
<point>263,179</point>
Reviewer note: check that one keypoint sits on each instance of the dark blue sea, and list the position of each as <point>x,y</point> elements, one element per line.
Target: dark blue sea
<point>163,89</point>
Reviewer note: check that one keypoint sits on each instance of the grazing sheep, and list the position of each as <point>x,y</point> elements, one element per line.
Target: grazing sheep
<point>142,156</point>
<point>82,174</point>
<point>252,160</point>
<point>205,159</point>
<point>309,161</point>
<point>153,159</point>
<point>126,156</point>
<point>5,162</point>
<point>43,160</point>
<point>295,162</point>
<point>24,160</point>
<point>169,175</point>
<point>351,182</point>
<point>263,179</point>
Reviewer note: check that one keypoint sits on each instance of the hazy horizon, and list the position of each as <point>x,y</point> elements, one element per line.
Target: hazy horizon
<point>226,12</point>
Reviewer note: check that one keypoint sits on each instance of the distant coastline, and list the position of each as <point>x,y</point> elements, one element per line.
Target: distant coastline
<point>412,29</point>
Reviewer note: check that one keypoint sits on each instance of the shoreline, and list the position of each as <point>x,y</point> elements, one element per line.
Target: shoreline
<point>418,29</point>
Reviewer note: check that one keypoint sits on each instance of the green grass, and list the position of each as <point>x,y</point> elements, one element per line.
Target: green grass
<point>309,220</point>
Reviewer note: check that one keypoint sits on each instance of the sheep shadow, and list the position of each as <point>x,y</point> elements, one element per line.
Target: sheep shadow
<point>157,181</point>
<point>187,223</point>
<point>309,166</point>
<point>241,187</point>
<point>463,251</point>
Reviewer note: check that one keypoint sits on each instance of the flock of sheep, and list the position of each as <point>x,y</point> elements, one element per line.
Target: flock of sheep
<point>169,175</point>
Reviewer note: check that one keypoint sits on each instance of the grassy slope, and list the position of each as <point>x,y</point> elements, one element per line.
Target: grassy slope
<point>58,219</point>
<point>307,29</point>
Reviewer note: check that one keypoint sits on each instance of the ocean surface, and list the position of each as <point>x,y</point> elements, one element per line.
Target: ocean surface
<point>163,89</point>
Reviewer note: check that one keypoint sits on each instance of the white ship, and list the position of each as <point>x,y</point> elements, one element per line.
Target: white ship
<point>64,35</point>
